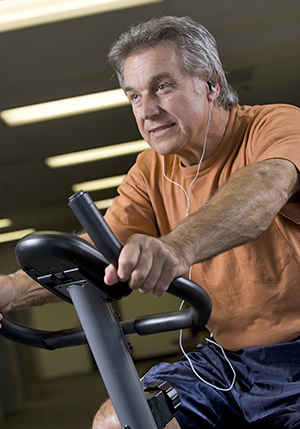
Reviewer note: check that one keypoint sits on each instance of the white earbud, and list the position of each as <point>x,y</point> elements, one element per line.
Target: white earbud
<point>211,88</point>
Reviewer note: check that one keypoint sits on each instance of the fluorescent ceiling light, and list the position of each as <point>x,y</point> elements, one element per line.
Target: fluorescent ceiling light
<point>15,14</point>
<point>104,204</point>
<point>65,107</point>
<point>90,155</point>
<point>96,185</point>
<point>15,235</point>
<point>4,223</point>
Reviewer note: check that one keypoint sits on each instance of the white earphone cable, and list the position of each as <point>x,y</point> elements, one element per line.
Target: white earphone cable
<point>187,195</point>
<point>223,389</point>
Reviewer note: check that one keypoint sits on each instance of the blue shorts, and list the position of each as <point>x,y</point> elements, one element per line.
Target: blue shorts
<point>266,393</point>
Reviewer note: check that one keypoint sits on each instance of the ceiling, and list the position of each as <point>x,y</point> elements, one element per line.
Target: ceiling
<point>259,45</point>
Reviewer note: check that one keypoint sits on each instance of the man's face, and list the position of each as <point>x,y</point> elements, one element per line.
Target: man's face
<point>170,105</point>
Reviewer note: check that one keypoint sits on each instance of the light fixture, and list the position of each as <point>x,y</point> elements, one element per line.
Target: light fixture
<point>16,14</point>
<point>96,154</point>
<point>4,223</point>
<point>96,185</point>
<point>15,235</point>
<point>104,204</point>
<point>64,107</point>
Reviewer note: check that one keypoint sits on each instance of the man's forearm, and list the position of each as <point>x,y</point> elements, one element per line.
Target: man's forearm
<point>238,213</point>
<point>29,292</point>
<point>20,290</point>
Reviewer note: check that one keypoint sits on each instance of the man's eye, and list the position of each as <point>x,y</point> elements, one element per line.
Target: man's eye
<point>162,86</point>
<point>134,98</point>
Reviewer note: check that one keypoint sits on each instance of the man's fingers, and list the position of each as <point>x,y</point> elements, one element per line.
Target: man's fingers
<point>162,282</point>
<point>128,260</point>
<point>147,264</point>
<point>111,275</point>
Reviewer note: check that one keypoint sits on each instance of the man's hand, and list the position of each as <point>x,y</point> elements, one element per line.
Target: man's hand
<point>147,263</point>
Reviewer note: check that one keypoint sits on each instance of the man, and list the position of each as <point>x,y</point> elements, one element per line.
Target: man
<point>218,193</point>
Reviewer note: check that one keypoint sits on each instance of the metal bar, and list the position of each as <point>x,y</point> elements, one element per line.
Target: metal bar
<point>113,358</point>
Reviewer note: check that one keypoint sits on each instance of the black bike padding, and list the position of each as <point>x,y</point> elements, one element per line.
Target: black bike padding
<point>55,259</point>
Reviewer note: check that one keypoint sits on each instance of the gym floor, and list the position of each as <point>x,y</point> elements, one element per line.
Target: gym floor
<point>68,403</point>
<point>71,402</point>
<point>63,404</point>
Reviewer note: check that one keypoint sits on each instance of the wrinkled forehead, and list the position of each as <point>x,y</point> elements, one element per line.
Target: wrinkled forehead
<point>164,58</point>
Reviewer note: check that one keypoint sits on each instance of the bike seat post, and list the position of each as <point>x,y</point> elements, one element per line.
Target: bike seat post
<point>113,358</point>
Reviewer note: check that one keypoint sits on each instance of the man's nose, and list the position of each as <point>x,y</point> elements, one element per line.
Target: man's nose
<point>150,107</point>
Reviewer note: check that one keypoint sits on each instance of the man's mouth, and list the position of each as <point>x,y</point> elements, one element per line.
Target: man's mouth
<point>161,129</point>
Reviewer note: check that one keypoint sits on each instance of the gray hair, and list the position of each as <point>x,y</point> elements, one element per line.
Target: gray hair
<point>197,46</point>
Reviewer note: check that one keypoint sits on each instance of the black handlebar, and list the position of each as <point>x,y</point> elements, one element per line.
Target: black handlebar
<point>92,221</point>
<point>42,339</point>
<point>57,260</point>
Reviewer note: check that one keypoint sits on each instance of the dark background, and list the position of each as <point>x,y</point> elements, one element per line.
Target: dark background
<point>258,43</point>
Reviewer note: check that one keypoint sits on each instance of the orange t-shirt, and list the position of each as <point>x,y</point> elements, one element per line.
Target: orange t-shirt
<point>254,288</point>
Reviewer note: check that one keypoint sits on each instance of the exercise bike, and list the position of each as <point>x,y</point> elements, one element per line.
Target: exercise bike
<point>72,269</point>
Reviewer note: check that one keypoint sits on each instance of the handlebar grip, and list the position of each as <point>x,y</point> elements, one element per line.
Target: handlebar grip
<point>92,221</point>
<point>41,339</point>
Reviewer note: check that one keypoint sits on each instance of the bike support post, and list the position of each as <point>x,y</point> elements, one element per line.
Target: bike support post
<point>112,356</point>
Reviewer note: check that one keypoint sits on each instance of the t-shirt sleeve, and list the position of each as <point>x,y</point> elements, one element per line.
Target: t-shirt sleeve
<point>131,211</point>
<point>276,134</point>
